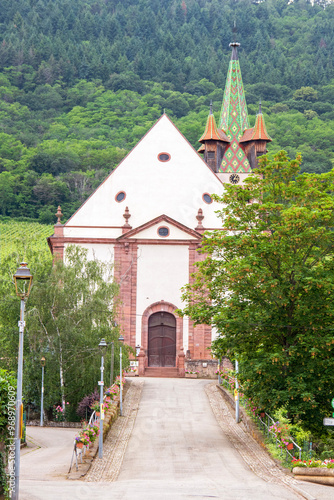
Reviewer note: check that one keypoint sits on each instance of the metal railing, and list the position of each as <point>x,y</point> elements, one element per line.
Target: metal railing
<point>265,423</point>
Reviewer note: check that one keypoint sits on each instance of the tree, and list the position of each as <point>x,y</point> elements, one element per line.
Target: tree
<point>267,285</point>
<point>69,312</point>
<point>306,93</point>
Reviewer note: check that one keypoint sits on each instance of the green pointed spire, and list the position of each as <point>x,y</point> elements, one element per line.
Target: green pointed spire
<point>234,116</point>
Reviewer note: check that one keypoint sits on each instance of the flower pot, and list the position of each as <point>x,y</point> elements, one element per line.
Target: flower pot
<point>290,446</point>
<point>79,445</point>
<point>107,398</point>
<point>97,413</point>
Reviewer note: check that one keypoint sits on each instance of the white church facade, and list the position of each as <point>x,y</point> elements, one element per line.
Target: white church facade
<point>148,217</point>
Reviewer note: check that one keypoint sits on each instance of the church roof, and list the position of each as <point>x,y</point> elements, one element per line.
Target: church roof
<point>234,117</point>
<point>258,132</point>
<point>211,131</point>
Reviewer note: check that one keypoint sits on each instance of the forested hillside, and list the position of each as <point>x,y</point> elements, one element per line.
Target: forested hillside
<point>82,80</point>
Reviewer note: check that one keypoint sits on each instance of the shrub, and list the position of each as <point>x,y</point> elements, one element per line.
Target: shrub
<point>84,407</point>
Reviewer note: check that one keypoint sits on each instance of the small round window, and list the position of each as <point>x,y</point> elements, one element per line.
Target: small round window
<point>207,198</point>
<point>120,196</point>
<point>163,231</point>
<point>163,157</point>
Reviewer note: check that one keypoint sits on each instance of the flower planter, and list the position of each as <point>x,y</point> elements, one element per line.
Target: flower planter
<point>190,375</point>
<point>320,475</point>
<point>79,445</point>
<point>97,413</point>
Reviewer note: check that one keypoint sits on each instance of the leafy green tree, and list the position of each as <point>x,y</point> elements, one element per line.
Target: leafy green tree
<point>69,312</point>
<point>267,285</point>
<point>306,93</point>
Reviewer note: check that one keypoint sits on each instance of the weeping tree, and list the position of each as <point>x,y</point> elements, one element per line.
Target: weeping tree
<point>267,285</point>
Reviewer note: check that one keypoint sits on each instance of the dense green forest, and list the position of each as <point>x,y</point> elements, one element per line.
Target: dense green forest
<point>81,82</point>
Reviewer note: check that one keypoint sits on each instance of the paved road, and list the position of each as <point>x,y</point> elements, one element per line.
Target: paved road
<point>49,450</point>
<point>176,451</point>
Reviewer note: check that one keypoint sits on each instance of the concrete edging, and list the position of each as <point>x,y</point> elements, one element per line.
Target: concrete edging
<point>319,475</point>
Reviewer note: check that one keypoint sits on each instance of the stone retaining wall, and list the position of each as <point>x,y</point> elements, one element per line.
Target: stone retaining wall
<point>244,418</point>
<point>207,368</point>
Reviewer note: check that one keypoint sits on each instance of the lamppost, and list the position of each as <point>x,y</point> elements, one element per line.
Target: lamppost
<point>102,346</point>
<point>42,391</point>
<point>112,364</point>
<point>112,359</point>
<point>22,280</point>
<point>121,341</point>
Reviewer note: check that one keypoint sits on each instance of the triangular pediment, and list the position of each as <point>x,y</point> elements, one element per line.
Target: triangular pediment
<point>163,174</point>
<point>150,230</point>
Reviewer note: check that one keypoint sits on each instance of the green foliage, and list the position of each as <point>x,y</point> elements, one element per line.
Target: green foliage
<point>69,311</point>
<point>306,94</point>
<point>267,285</point>
<point>81,82</point>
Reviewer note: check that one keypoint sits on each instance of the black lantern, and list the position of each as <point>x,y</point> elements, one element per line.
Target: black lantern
<point>23,280</point>
<point>103,345</point>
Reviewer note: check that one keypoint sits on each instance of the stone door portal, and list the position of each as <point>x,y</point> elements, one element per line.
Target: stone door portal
<point>161,339</point>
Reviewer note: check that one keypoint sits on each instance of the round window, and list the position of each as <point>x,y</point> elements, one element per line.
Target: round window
<point>207,198</point>
<point>163,157</point>
<point>163,231</point>
<point>120,196</point>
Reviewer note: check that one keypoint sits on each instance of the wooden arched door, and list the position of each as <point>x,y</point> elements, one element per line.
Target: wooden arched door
<point>161,339</point>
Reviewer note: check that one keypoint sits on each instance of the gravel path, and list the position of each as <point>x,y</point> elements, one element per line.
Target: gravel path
<point>117,439</point>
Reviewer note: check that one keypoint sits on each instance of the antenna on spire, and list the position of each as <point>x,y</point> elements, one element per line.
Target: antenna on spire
<point>260,108</point>
<point>234,44</point>
<point>211,107</point>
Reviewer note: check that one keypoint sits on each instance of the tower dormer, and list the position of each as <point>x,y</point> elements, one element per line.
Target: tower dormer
<point>214,143</point>
<point>254,140</point>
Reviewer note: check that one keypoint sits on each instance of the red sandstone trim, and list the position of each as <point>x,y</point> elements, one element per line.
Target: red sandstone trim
<point>158,307</point>
<point>160,219</point>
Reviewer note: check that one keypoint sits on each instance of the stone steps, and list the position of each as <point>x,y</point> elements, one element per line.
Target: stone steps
<point>163,372</point>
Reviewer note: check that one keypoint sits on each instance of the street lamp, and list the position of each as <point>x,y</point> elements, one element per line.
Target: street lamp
<point>22,280</point>
<point>112,359</point>
<point>112,364</point>
<point>102,346</point>
<point>121,341</point>
<point>42,391</point>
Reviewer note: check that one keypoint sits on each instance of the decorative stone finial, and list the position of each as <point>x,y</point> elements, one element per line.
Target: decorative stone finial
<point>126,227</point>
<point>59,215</point>
<point>126,216</point>
<point>199,217</point>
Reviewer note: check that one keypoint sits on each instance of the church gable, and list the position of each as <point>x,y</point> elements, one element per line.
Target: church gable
<point>162,174</point>
<point>163,229</point>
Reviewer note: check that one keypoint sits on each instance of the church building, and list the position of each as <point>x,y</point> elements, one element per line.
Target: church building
<point>148,217</point>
